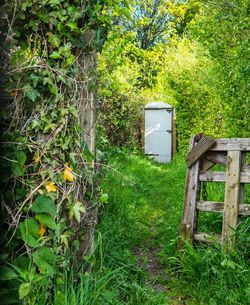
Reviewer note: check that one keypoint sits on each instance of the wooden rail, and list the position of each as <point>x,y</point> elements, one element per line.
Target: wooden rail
<point>204,153</point>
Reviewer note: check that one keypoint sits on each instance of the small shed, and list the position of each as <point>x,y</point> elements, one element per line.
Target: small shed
<point>158,131</point>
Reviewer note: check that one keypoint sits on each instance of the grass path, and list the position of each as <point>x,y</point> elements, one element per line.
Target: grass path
<point>145,206</point>
<point>139,228</point>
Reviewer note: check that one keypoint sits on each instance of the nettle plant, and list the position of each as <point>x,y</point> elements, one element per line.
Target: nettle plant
<point>49,191</point>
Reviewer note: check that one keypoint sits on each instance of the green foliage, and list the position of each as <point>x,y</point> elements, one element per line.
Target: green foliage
<point>47,177</point>
<point>230,50</point>
<point>190,84</point>
<point>44,258</point>
<point>43,204</point>
<point>222,278</point>
<point>29,229</point>
<point>46,220</point>
<point>199,67</point>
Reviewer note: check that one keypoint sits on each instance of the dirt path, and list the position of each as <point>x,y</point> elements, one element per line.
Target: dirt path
<point>156,274</point>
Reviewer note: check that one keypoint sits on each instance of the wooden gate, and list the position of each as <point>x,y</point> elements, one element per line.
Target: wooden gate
<point>204,153</point>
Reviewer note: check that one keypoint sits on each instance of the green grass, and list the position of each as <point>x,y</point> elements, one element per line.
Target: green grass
<point>144,211</point>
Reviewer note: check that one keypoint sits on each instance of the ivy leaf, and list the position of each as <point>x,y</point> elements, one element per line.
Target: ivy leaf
<point>70,59</point>
<point>55,2</point>
<point>53,89</point>
<point>35,79</point>
<point>104,198</point>
<point>55,55</point>
<point>47,220</point>
<point>54,40</point>
<point>72,25</point>
<point>74,13</point>
<point>17,170</point>
<point>65,237</point>
<point>24,290</point>
<point>21,157</point>
<point>43,204</point>
<point>30,92</point>
<point>29,229</point>
<point>44,258</point>
<point>49,126</point>
<point>77,209</point>
<point>35,124</point>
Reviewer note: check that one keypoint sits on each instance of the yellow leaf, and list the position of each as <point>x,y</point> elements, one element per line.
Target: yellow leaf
<point>51,187</point>
<point>37,159</point>
<point>41,230</point>
<point>67,174</point>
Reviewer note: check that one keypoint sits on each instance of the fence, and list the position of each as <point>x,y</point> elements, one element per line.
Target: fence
<point>204,153</point>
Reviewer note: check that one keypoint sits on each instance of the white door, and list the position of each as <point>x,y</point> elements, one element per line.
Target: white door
<point>158,134</point>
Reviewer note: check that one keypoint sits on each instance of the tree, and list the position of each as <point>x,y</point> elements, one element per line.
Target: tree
<point>223,28</point>
<point>156,21</point>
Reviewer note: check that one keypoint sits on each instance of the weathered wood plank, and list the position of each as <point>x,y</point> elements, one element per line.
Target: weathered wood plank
<point>216,157</point>
<point>207,238</point>
<point>232,196</point>
<point>244,209</point>
<point>245,177</point>
<point>210,206</point>
<point>186,200</point>
<point>218,207</point>
<point>221,177</point>
<point>246,168</point>
<point>242,144</point>
<point>211,158</point>
<point>212,176</point>
<point>242,185</point>
<point>194,197</point>
<point>206,164</point>
<point>184,228</point>
<point>199,150</point>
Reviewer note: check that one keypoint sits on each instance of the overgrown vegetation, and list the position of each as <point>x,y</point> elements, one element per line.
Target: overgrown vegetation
<point>56,57</point>
<point>144,211</point>
<point>50,197</point>
<point>195,64</point>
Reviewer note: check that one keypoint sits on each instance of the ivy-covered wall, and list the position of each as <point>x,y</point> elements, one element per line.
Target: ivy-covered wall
<point>49,193</point>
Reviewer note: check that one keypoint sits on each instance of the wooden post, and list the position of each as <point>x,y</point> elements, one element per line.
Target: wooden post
<point>174,137</point>
<point>191,196</point>
<point>243,162</point>
<point>232,197</point>
<point>142,130</point>
<point>87,120</point>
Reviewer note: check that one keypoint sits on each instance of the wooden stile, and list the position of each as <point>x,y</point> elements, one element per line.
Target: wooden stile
<point>205,153</point>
